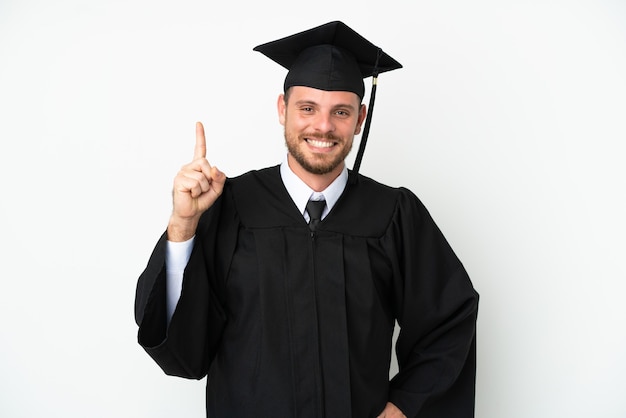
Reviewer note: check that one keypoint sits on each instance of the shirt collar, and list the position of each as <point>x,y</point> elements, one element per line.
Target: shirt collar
<point>301,193</point>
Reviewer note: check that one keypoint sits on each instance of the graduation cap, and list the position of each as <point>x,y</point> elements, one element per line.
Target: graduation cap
<point>331,57</point>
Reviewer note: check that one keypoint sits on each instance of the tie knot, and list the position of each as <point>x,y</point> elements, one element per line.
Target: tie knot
<point>315,209</point>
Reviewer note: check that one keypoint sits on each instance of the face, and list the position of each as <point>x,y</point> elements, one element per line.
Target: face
<point>320,127</point>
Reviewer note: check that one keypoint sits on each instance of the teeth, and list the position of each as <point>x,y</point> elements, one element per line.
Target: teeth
<point>319,144</point>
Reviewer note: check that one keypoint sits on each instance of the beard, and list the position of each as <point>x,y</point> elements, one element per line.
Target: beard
<point>318,163</point>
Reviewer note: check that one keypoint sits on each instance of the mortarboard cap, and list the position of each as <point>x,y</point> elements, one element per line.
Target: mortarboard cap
<point>331,57</point>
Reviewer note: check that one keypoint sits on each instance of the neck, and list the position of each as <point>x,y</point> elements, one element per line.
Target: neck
<point>317,182</point>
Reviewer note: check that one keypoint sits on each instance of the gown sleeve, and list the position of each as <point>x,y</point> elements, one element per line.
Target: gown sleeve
<point>187,346</point>
<point>436,307</point>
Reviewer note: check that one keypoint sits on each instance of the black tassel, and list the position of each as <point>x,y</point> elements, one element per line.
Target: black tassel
<point>368,119</point>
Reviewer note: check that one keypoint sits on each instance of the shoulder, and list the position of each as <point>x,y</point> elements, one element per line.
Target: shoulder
<point>254,177</point>
<point>369,208</point>
<point>261,199</point>
<point>246,187</point>
<point>372,192</point>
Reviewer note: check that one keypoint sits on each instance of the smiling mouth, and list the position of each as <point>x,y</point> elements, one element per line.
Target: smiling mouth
<point>318,143</point>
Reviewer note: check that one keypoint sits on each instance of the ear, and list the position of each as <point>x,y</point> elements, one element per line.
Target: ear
<point>281,106</point>
<point>359,123</point>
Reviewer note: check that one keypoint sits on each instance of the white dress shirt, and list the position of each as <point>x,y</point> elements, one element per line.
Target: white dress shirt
<point>177,253</point>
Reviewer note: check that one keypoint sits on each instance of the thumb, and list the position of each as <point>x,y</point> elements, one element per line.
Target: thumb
<point>217,179</point>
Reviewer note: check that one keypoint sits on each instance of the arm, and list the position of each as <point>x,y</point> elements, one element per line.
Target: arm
<point>196,187</point>
<point>436,307</point>
<point>183,347</point>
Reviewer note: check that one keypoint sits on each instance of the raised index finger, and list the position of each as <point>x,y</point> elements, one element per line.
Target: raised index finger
<point>200,149</point>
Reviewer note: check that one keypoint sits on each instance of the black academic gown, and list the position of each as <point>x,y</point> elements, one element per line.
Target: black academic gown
<point>287,323</point>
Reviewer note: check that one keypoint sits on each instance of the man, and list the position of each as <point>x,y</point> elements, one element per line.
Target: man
<point>289,309</point>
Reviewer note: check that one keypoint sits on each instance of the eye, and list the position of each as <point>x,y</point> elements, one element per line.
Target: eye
<point>342,113</point>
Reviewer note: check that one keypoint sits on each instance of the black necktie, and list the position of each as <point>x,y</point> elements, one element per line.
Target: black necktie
<point>315,209</point>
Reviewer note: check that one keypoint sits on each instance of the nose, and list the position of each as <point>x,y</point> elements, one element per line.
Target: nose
<point>323,123</point>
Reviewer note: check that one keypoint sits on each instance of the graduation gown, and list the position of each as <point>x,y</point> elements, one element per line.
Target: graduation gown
<point>289,323</point>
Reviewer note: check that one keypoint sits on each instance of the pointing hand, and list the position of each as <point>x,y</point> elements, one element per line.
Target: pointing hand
<point>196,187</point>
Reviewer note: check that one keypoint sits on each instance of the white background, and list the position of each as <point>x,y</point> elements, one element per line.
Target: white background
<point>508,120</point>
